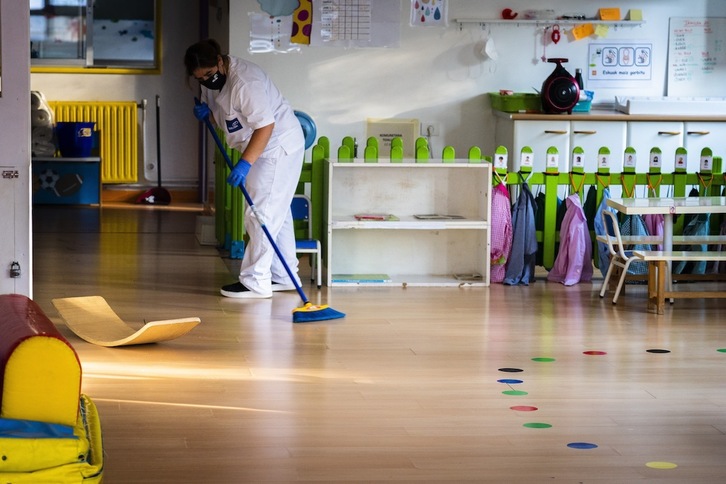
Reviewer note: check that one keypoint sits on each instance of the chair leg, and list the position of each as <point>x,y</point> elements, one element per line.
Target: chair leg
<point>621,281</point>
<point>319,266</point>
<point>607,279</point>
<point>312,259</point>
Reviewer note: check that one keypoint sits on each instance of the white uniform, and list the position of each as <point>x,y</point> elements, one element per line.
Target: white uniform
<point>248,101</point>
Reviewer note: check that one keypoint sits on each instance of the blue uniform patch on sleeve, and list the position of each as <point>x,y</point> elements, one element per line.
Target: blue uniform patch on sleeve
<point>233,125</point>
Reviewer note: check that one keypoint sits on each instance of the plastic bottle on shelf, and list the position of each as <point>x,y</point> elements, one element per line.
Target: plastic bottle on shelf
<point>580,84</point>
<point>578,78</point>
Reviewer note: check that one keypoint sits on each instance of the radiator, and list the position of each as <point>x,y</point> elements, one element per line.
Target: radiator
<point>118,130</point>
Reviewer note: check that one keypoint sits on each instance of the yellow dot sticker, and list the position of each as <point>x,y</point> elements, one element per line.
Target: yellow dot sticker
<point>661,465</point>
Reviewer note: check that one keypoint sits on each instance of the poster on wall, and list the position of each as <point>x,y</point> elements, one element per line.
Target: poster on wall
<point>429,13</point>
<point>615,64</point>
<point>356,23</point>
<point>271,34</point>
<point>696,56</point>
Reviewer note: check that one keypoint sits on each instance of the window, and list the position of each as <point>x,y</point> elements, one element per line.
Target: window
<point>108,35</point>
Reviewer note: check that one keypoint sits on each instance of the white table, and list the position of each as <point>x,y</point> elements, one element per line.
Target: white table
<point>668,207</point>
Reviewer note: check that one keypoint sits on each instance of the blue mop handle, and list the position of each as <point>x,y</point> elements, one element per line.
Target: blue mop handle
<point>251,204</point>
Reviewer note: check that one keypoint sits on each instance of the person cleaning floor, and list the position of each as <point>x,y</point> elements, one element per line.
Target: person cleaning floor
<point>257,121</point>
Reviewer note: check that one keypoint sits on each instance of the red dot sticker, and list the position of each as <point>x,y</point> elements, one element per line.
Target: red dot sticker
<point>524,408</point>
<point>594,353</point>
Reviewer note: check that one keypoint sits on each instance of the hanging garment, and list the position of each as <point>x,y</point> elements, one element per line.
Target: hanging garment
<point>698,225</point>
<point>501,232</point>
<point>590,207</point>
<point>574,260</point>
<point>634,225</point>
<point>539,223</point>
<point>603,254</point>
<point>719,267</point>
<point>654,224</point>
<point>522,260</point>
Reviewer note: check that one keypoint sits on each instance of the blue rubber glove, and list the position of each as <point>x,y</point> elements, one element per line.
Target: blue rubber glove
<point>201,111</point>
<point>239,173</point>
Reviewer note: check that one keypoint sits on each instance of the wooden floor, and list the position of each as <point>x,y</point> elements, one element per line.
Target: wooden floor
<point>409,387</point>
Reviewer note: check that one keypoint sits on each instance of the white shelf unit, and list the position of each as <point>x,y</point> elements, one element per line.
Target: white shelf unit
<point>548,22</point>
<point>410,251</point>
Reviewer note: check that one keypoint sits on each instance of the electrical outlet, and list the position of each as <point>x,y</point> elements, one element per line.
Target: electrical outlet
<point>430,129</point>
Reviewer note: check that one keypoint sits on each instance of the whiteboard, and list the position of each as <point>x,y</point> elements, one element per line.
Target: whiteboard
<point>697,57</point>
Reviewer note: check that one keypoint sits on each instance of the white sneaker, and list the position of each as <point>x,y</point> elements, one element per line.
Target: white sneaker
<point>278,286</point>
<point>240,291</point>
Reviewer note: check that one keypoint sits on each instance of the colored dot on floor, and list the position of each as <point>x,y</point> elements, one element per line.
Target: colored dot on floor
<point>581,445</point>
<point>524,408</point>
<point>721,350</point>
<point>543,360</point>
<point>516,393</point>
<point>661,465</point>
<point>657,350</point>
<point>510,381</point>
<point>594,353</point>
<point>537,425</point>
<point>511,370</point>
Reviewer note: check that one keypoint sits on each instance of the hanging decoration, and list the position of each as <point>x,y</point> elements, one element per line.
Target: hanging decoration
<point>302,23</point>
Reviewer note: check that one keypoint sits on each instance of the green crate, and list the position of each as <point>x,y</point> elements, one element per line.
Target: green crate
<point>516,103</point>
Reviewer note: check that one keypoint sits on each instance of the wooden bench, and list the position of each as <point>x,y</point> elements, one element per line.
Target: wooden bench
<point>657,261</point>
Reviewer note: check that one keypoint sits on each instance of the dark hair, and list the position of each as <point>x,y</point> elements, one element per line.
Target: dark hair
<point>202,54</point>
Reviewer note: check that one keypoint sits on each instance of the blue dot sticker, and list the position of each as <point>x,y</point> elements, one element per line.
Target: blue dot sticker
<point>510,381</point>
<point>582,445</point>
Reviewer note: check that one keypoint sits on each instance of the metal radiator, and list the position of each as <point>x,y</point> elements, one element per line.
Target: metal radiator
<point>118,130</point>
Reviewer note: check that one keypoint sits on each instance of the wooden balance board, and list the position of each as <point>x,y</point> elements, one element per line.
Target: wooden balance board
<point>91,318</point>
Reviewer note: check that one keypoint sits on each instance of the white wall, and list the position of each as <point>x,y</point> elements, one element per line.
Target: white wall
<point>15,239</point>
<point>437,74</point>
<point>434,75</point>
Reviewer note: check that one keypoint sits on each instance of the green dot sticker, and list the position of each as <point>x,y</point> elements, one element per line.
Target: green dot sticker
<point>537,425</point>
<point>516,393</point>
<point>721,350</point>
<point>543,360</point>
<point>661,465</point>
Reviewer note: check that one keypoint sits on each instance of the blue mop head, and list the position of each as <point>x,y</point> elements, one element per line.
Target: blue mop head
<point>310,312</point>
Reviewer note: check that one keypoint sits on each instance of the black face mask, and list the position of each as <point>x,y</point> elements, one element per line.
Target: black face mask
<point>215,81</point>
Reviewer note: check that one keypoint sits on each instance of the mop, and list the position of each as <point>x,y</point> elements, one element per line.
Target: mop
<point>308,312</point>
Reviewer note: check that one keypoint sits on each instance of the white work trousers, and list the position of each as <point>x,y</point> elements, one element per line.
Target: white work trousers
<point>271,183</point>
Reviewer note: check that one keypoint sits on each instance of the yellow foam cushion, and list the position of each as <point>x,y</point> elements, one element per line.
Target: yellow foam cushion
<point>40,375</point>
<point>57,460</point>
<point>42,381</point>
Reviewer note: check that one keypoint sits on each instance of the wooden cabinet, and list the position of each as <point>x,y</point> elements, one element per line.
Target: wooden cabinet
<point>404,249</point>
<point>11,187</point>
<point>591,136</point>
<point>538,135</point>
<point>703,134</point>
<point>615,131</point>
<point>646,135</point>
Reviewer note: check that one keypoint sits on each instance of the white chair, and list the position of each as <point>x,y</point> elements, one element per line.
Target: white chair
<point>302,212</point>
<point>619,257</point>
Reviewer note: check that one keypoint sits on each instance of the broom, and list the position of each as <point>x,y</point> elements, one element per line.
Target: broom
<point>309,312</point>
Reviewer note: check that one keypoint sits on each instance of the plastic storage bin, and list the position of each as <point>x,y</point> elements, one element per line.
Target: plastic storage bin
<point>75,140</point>
<point>516,102</point>
<point>584,105</point>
